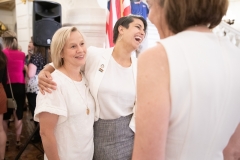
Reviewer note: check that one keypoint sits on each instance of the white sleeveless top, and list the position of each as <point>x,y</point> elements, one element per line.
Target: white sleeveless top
<point>205,95</point>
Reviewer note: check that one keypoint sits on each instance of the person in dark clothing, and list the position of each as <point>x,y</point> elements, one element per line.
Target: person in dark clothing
<point>3,101</point>
<point>35,65</point>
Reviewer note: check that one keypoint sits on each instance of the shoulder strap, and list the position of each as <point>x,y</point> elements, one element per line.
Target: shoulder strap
<point>10,84</point>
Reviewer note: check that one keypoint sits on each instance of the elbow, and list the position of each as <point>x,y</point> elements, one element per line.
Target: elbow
<point>44,133</point>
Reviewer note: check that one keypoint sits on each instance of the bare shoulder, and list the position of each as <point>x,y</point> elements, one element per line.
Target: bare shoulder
<point>155,56</point>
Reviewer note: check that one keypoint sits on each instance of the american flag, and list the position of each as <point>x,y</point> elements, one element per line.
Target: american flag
<point>116,10</point>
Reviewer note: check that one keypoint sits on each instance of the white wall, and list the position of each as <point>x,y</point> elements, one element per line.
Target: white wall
<point>24,23</point>
<point>88,16</point>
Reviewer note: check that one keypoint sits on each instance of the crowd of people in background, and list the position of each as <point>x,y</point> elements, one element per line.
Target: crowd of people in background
<point>178,100</point>
<point>18,77</point>
<point>15,82</point>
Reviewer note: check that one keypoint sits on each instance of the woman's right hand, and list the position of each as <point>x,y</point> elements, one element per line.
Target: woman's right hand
<point>45,82</point>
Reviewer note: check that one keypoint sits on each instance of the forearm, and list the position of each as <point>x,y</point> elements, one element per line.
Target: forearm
<point>48,68</point>
<point>50,146</point>
<point>32,69</point>
<point>48,124</point>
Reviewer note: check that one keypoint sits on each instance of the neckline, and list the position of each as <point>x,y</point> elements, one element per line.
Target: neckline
<point>70,78</point>
<point>199,29</point>
<point>119,65</point>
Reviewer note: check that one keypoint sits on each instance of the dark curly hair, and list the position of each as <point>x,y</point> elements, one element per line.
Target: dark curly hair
<point>3,59</point>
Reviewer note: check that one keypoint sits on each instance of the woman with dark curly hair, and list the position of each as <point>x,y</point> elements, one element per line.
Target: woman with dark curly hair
<point>3,101</point>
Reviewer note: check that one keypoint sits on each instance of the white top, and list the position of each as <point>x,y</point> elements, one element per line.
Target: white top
<point>74,130</point>
<point>117,92</point>
<point>205,89</point>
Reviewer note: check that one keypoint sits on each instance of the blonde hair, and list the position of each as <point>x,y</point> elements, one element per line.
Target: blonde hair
<point>10,40</point>
<point>19,48</point>
<point>58,41</point>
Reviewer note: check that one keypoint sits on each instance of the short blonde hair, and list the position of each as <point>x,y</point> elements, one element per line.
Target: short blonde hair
<point>58,41</point>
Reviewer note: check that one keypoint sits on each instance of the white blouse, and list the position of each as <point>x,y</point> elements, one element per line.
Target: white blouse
<point>117,91</point>
<point>74,130</point>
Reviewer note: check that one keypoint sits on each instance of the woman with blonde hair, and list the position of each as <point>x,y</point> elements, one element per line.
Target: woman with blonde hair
<point>188,86</point>
<point>66,116</point>
<point>15,69</point>
<point>111,73</point>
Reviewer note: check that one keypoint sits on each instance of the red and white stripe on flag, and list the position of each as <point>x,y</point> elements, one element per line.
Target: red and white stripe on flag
<point>116,10</point>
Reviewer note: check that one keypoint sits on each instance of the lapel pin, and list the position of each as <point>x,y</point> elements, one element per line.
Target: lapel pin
<point>101,68</point>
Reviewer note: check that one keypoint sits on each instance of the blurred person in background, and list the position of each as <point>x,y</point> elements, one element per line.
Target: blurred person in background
<point>15,69</point>
<point>27,59</point>
<point>3,100</point>
<point>35,65</point>
<point>30,51</point>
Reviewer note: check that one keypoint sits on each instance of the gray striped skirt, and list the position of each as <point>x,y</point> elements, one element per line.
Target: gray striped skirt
<point>113,139</point>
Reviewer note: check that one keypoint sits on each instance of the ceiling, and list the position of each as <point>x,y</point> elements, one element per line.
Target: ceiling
<point>7,4</point>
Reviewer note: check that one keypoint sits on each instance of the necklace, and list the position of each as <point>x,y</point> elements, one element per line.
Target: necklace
<point>86,92</point>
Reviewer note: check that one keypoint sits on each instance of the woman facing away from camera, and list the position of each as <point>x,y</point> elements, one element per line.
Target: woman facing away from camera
<point>188,86</point>
<point>3,100</point>
<point>66,116</point>
<point>15,68</point>
<point>111,73</point>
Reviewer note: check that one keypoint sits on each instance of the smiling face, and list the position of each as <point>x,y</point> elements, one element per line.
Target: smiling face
<point>134,34</point>
<point>74,50</point>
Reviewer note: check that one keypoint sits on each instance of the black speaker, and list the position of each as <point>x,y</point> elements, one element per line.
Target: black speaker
<point>46,20</point>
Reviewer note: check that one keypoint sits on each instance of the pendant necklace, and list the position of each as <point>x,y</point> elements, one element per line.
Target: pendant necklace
<point>86,92</point>
<point>86,96</point>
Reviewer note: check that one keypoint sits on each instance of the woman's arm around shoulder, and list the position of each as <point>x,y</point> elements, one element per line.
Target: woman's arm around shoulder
<point>45,82</point>
<point>153,105</point>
